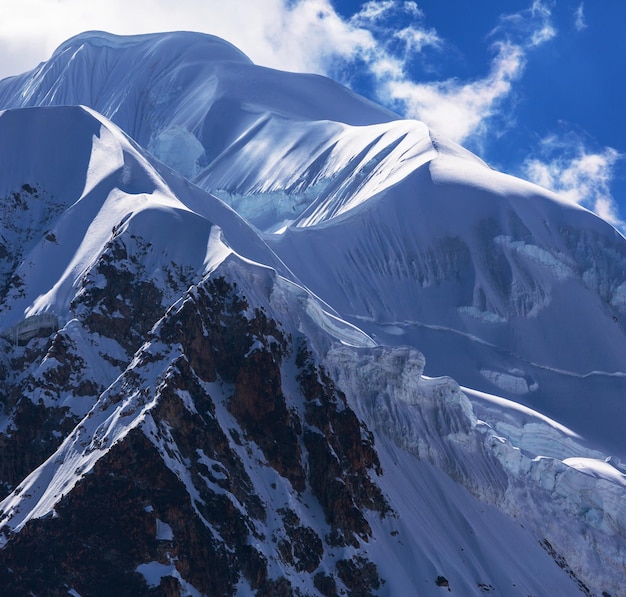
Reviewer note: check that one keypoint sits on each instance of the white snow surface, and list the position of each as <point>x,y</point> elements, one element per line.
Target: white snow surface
<point>153,572</point>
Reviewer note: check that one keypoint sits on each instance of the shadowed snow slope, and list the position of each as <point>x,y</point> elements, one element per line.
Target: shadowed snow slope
<point>186,96</point>
<point>500,284</point>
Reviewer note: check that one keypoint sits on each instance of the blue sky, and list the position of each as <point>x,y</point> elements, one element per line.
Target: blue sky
<point>535,87</point>
<point>538,90</point>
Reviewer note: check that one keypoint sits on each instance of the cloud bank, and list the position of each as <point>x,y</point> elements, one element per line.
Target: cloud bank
<point>566,165</point>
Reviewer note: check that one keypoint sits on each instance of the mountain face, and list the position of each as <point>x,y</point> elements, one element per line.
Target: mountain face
<point>236,306</point>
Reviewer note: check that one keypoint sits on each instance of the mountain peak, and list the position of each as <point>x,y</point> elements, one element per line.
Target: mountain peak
<point>251,319</point>
<point>199,45</point>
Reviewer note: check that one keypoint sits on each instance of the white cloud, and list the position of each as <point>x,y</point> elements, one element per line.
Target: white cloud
<point>372,11</point>
<point>414,10</point>
<point>462,110</point>
<point>303,35</point>
<point>392,47</point>
<point>416,40</point>
<point>459,109</point>
<point>532,26</point>
<point>565,165</point>
<point>541,14</point>
<point>579,18</point>
<point>309,36</point>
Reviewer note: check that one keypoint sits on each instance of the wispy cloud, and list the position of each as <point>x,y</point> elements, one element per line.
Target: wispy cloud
<point>455,108</point>
<point>565,164</point>
<point>579,18</point>
<point>460,110</point>
<point>530,27</point>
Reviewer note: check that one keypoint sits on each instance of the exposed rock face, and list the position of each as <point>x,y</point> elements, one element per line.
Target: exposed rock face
<point>180,492</point>
<point>25,213</point>
<point>102,530</point>
<point>261,409</point>
<point>31,394</point>
<point>341,455</point>
<point>35,434</point>
<point>127,305</point>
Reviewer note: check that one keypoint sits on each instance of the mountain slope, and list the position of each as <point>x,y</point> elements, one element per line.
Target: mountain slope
<point>171,391</point>
<point>184,95</point>
<point>503,286</point>
<point>206,471</point>
<point>179,388</point>
<point>61,214</point>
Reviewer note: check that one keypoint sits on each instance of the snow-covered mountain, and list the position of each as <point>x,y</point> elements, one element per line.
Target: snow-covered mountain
<point>221,289</point>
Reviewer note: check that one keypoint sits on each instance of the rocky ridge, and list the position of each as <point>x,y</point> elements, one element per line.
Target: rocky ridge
<point>212,414</point>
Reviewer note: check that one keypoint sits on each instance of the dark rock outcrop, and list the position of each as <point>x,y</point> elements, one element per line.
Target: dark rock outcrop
<point>179,491</point>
